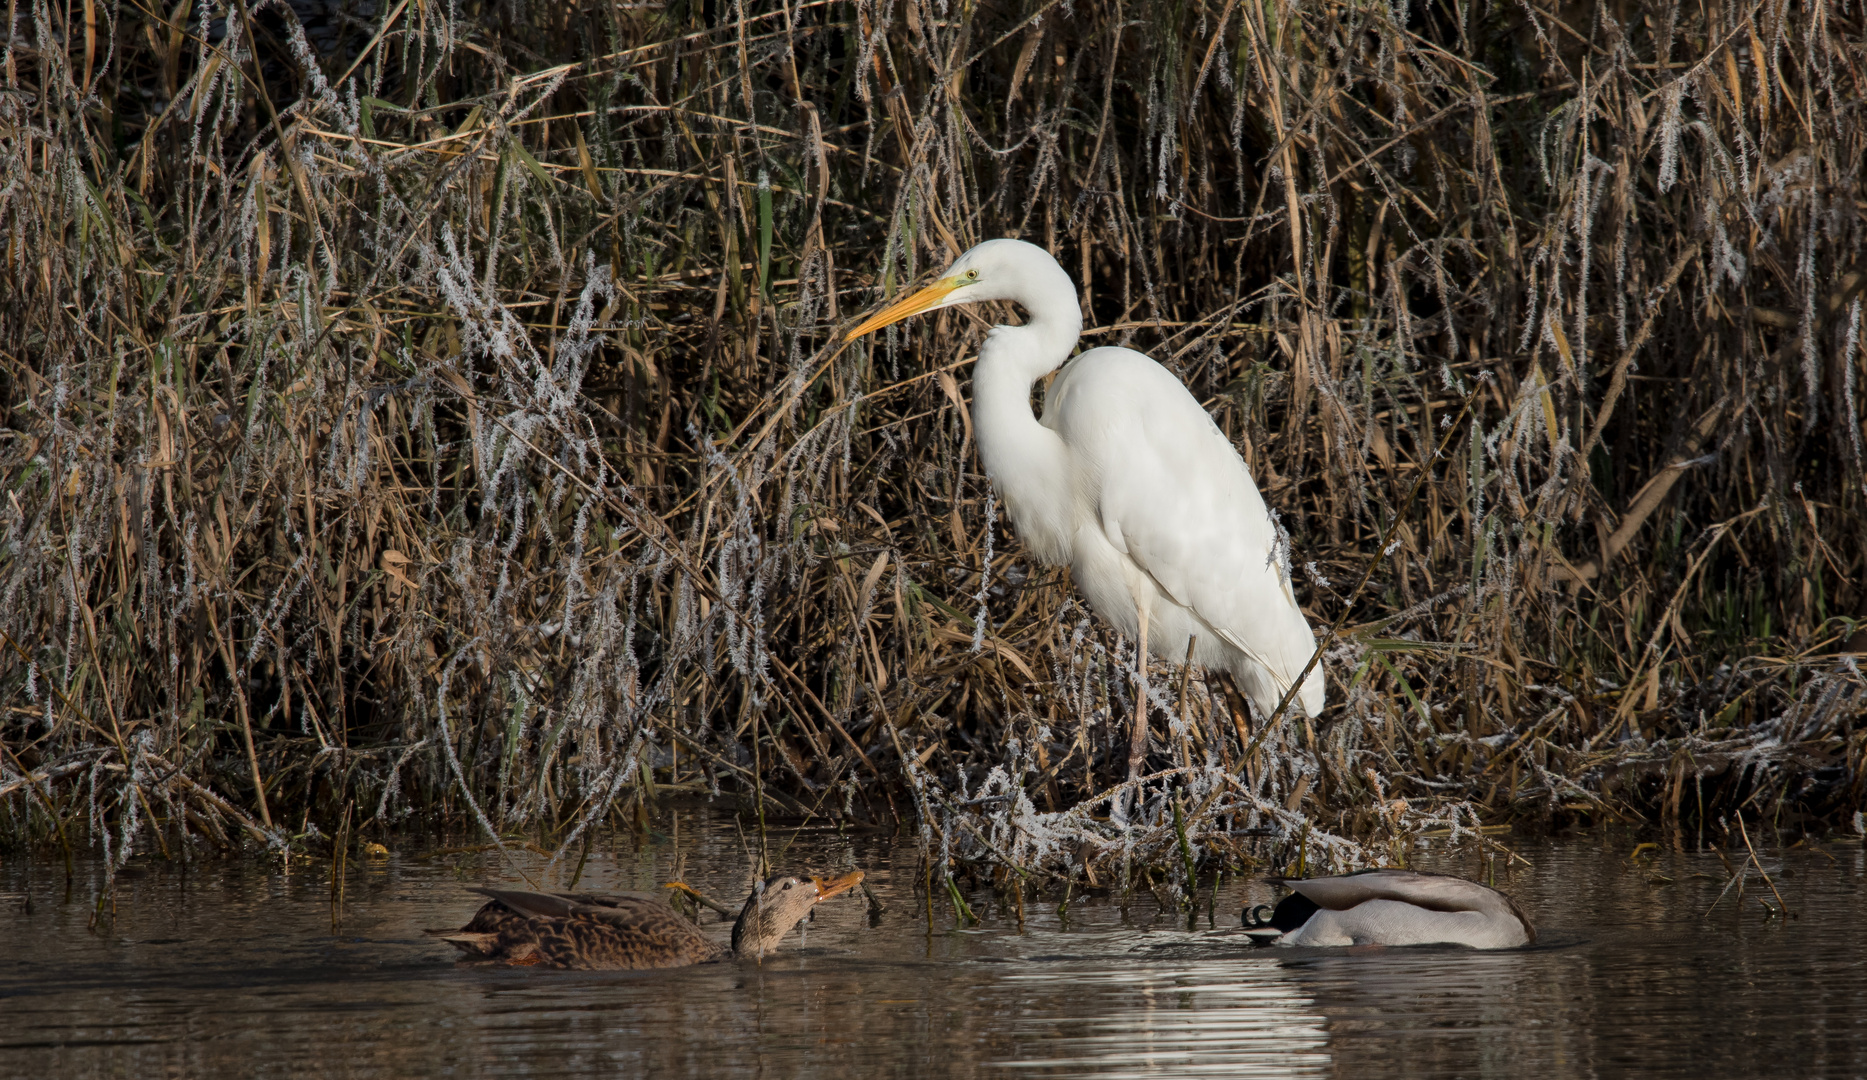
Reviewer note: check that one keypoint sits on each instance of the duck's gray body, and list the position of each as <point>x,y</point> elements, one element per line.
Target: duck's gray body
<point>1393,907</point>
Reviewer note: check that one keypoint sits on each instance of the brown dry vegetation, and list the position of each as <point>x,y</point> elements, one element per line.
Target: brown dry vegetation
<point>439,419</point>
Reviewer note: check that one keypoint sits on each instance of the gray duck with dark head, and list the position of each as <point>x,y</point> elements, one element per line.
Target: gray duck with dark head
<point>627,931</point>
<point>1390,907</point>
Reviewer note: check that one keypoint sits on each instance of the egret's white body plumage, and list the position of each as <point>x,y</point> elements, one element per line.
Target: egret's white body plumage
<point>1126,480</point>
<point>1396,907</point>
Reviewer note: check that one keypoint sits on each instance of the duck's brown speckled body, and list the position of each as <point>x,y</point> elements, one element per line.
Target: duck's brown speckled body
<point>629,931</point>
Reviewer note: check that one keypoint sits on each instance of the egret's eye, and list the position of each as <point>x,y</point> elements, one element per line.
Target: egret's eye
<point>972,275</point>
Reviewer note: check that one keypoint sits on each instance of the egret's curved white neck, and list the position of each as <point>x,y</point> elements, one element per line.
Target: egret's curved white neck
<point>1013,357</point>
<point>1027,461</point>
<point>1052,324</point>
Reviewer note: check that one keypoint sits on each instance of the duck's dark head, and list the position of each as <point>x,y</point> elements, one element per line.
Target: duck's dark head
<point>777,904</point>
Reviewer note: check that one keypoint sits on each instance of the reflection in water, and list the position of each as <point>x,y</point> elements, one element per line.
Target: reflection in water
<point>1429,1011</point>
<point>1236,1018</point>
<point>232,969</point>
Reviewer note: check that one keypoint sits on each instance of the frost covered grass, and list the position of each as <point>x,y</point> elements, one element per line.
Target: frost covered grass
<point>430,413</point>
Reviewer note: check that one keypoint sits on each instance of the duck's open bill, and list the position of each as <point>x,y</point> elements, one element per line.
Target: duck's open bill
<point>828,887</point>
<point>912,305</point>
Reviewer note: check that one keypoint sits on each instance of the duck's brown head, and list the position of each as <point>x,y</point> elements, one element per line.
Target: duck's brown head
<point>780,903</point>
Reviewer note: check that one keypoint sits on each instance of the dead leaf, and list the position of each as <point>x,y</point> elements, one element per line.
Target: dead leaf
<point>392,563</point>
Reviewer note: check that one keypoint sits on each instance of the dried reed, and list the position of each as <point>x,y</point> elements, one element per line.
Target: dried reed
<point>434,407</point>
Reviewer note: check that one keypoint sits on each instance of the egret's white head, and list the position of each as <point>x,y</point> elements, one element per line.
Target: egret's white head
<point>995,270</point>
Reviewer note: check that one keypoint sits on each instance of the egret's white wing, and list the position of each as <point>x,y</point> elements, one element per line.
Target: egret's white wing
<point>1176,498</point>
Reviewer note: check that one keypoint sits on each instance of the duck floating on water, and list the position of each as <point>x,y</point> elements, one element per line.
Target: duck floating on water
<point>629,931</point>
<point>1390,907</point>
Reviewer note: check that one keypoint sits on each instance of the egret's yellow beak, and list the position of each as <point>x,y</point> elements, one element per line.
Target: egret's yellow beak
<point>914,304</point>
<point>828,887</point>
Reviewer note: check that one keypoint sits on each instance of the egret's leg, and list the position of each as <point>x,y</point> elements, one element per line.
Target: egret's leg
<point>1137,748</point>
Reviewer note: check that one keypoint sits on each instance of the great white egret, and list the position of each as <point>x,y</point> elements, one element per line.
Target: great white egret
<point>1128,482</point>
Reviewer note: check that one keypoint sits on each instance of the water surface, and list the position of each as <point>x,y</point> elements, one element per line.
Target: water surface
<point>231,967</point>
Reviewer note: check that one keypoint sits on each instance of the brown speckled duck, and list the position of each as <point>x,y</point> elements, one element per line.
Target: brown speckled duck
<point>627,931</point>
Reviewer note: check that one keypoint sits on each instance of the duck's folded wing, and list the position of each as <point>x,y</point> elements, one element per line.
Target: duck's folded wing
<point>1434,892</point>
<point>618,932</point>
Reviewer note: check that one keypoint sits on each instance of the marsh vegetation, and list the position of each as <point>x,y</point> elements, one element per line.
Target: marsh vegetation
<point>431,412</point>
